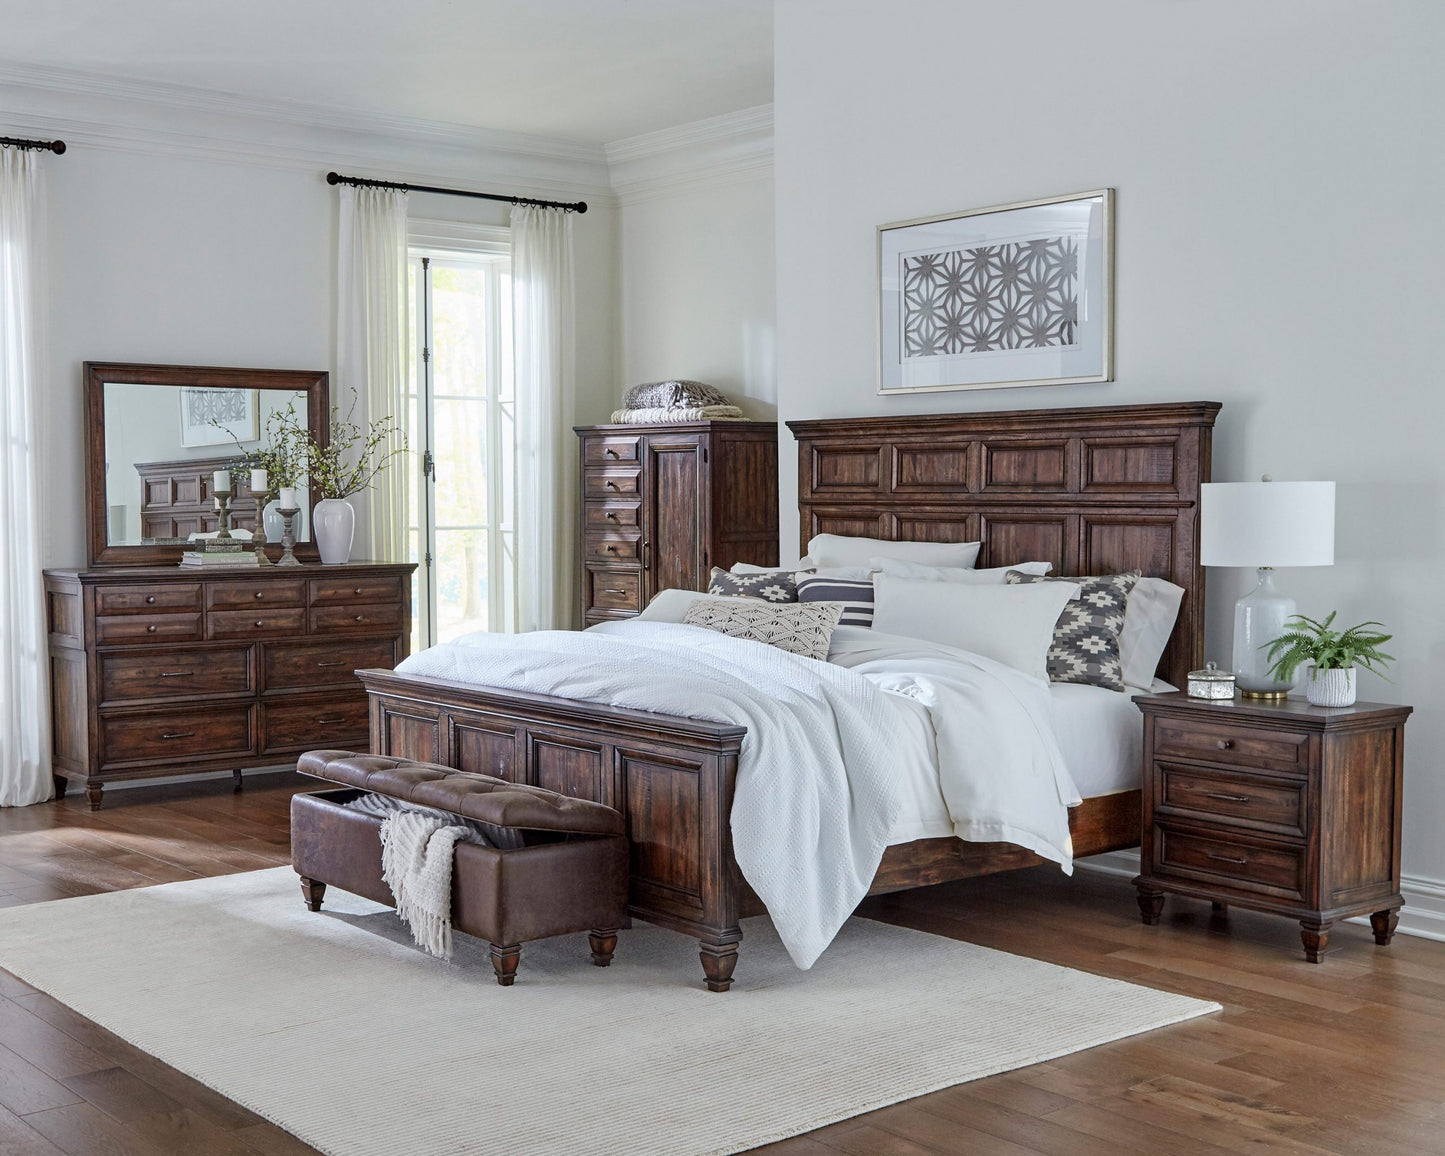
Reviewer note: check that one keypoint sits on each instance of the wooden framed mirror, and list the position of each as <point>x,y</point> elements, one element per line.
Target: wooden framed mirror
<point>154,434</point>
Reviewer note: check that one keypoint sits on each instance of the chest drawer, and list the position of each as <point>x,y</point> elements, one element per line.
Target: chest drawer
<point>610,483</point>
<point>1234,859</point>
<point>613,548</point>
<point>328,619</point>
<point>346,591</point>
<point>263,623</point>
<point>118,629</point>
<point>602,518</point>
<point>232,594</point>
<point>132,675</point>
<point>1240,746</point>
<point>614,590</point>
<point>295,665</point>
<point>1274,804</point>
<point>155,599</point>
<point>300,726</point>
<point>174,733</point>
<point>603,451</point>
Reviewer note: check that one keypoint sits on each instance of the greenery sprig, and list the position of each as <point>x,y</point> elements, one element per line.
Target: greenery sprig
<point>284,457</point>
<point>1307,640</point>
<point>355,456</point>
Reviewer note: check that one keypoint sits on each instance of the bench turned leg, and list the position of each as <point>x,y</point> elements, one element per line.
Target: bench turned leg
<point>603,944</point>
<point>313,891</point>
<point>505,958</point>
<point>718,961</point>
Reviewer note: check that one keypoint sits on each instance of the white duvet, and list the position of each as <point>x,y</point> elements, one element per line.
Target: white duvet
<point>817,788</point>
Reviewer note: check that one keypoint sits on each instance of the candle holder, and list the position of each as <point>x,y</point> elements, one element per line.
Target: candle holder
<point>258,535</point>
<point>223,504</point>
<point>288,537</point>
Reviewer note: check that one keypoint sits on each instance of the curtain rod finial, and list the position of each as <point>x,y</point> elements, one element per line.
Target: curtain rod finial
<point>581,206</point>
<point>57,147</point>
<point>333,178</point>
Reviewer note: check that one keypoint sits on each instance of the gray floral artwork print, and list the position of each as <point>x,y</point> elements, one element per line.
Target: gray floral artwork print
<point>1018,295</point>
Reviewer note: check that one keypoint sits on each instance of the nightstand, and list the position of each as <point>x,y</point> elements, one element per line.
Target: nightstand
<point>1281,807</point>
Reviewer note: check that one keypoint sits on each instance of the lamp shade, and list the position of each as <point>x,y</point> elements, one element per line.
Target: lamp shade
<point>1267,523</point>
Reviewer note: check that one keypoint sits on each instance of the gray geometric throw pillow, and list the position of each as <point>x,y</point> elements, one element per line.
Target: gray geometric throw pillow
<point>1085,648</point>
<point>776,586</point>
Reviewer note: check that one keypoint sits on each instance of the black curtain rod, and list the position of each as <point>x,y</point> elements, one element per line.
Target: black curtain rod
<point>51,146</point>
<point>363,182</point>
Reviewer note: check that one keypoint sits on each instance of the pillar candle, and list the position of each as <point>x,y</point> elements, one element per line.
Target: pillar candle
<point>258,481</point>
<point>221,481</point>
<point>287,500</point>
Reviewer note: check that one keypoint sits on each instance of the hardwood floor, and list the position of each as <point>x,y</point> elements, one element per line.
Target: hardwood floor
<point>1347,1057</point>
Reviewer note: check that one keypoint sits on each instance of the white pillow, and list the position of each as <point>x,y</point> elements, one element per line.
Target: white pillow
<point>1149,618</point>
<point>1010,624</point>
<point>994,576</point>
<point>803,563</point>
<point>836,550</point>
<point>671,605</point>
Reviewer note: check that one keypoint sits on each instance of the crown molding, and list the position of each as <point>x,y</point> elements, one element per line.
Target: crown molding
<point>692,157</point>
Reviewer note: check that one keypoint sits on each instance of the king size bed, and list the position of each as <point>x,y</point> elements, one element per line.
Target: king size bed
<point>1093,491</point>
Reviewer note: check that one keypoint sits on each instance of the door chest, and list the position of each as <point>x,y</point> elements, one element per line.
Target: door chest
<point>159,671</point>
<point>663,504</point>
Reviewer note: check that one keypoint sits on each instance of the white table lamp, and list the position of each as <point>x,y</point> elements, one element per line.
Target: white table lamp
<point>1265,524</point>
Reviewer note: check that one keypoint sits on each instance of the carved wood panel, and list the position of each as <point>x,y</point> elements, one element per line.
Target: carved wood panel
<point>846,467</point>
<point>924,468</point>
<point>487,750</point>
<point>1030,466</point>
<point>569,767</point>
<point>663,806</point>
<point>1136,465</point>
<point>1013,536</point>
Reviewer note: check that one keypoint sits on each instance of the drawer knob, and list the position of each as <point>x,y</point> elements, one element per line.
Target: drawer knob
<point>1226,859</point>
<point>1224,744</point>
<point>1226,798</point>
<point>150,629</point>
<point>357,590</point>
<point>150,599</point>
<point>613,454</point>
<point>178,735</point>
<point>611,516</point>
<point>360,618</point>
<point>257,594</point>
<point>260,622</point>
<point>612,485</point>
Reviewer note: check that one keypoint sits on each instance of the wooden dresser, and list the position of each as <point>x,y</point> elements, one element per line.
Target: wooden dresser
<point>1281,807</point>
<point>162,671</point>
<point>663,504</point>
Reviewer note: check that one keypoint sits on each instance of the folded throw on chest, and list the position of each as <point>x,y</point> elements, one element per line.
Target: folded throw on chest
<point>416,862</point>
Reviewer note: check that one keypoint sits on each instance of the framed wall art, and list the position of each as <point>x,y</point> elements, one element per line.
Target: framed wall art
<point>1012,295</point>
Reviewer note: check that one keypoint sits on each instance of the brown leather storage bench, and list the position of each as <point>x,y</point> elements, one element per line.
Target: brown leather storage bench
<point>570,874</point>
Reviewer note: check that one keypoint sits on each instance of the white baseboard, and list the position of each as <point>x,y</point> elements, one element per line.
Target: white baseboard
<point>1423,914</point>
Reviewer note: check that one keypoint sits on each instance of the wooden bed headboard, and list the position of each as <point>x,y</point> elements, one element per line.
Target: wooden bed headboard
<point>1094,490</point>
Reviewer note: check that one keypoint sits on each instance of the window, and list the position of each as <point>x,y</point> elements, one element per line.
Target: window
<point>461,413</point>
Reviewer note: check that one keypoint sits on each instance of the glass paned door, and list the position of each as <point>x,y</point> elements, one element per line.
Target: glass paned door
<point>463,408</point>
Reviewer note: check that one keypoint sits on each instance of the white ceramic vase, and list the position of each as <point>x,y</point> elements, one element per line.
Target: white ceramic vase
<point>1331,687</point>
<point>333,522</point>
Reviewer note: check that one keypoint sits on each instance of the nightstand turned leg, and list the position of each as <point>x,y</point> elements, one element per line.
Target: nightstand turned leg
<point>93,792</point>
<point>1316,938</point>
<point>1151,906</point>
<point>1383,924</point>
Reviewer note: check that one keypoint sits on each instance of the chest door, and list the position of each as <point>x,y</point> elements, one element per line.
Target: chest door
<point>675,513</point>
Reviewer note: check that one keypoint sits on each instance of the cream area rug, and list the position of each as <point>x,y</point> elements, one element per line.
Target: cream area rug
<point>335,1027</point>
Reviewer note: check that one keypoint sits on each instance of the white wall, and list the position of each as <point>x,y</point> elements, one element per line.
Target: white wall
<point>697,289</point>
<point>1278,169</point>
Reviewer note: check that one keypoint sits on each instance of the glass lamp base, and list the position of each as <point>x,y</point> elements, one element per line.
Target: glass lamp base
<point>1259,618</point>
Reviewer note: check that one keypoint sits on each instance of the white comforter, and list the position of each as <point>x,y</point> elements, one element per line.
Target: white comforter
<point>816,790</point>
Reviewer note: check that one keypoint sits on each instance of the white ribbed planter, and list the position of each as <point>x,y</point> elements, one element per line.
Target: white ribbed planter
<point>334,524</point>
<point>1331,687</point>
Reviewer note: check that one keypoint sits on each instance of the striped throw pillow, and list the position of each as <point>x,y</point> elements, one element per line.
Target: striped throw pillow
<point>855,595</point>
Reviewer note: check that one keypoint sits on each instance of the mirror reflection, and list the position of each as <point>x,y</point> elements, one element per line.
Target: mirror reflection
<point>166,448</point>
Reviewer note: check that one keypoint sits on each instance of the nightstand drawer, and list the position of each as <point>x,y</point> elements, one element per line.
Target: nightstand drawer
<point>610,517</point>
<point>1275,804</point>
<point>613,549</point>
<point>1233,859</point>
<point>1238,746</point>
<point>610,483</point>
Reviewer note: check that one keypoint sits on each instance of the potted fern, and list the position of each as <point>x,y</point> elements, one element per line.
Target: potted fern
<point>1335,656</point>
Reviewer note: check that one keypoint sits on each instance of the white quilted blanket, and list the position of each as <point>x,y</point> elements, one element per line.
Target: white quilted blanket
<point>816,792</point>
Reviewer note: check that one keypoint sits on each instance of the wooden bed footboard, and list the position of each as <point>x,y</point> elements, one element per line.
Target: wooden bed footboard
<point>673,779</point>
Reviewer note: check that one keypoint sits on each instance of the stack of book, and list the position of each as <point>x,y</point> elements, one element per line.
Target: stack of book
<point>208,552</point>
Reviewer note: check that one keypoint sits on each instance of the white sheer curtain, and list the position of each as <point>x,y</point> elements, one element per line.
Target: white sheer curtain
<point>542,323</point>
<point>371,344</point>
<point>24,666</point>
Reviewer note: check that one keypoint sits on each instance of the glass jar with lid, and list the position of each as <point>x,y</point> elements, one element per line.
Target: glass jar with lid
<point>1211,682</point>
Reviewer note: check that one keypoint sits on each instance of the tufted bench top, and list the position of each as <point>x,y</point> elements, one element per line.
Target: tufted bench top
<point>481,797</point>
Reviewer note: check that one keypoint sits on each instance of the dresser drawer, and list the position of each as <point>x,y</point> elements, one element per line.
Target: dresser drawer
<point>329,619</point>
<point>120,629</point>
<point>614,590</point>
<point>609,483</point>
<point>173,733</point>
<point>133,675</point>
<point>1277,804</point>
<point>613,548</point>
<point>154,599</point>
<point>297,665</point>
<point>262,623</point>
<point>1232,858</point>
<point>234,593</point>
<point>602,451</point>
<point>602,517</point>
<point>348,591</point>
<point>1240,746</point>
<point>303,726</point>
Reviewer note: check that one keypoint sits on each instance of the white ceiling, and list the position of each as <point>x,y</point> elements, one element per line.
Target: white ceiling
<point>591,71</point>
